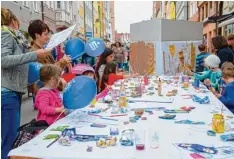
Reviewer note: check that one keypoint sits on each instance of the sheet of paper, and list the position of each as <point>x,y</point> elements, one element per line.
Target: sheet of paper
<point>60,37</point>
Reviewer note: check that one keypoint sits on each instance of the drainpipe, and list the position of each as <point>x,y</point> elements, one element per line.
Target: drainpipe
<point>42,11</point>
<point>84,22</point>
<point>216,25</point>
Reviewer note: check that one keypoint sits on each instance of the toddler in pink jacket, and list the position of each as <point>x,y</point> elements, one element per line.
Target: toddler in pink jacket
<point>48,100</point>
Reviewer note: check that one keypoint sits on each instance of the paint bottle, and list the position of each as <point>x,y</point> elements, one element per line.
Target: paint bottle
<point>159,87</point>
<point>218,124</point>
<point>122,97</point>
<point>146,80</point>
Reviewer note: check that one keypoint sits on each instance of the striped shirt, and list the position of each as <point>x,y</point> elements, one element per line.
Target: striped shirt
<point>200,61</point>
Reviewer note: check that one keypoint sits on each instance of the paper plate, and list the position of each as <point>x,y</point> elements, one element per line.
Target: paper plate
<point>79,92</point>
<point>74,48</point>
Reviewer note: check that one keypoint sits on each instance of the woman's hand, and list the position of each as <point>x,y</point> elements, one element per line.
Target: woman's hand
<point>42,53</point>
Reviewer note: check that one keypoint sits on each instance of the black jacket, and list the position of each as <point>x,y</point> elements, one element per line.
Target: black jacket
<point>226,55</point>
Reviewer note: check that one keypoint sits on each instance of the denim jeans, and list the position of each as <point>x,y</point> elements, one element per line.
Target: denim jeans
<point>120,65</point>
<point>10,116</point>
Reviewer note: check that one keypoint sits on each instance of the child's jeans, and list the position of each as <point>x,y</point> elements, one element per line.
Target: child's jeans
<point>10,116</point>
<point>120,65</point>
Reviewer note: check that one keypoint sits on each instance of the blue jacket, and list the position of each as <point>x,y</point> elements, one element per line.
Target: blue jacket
<point>228,97</point>
<point>226,55</point>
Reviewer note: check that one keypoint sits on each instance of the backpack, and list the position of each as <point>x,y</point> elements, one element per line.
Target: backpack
<point>28,131</point>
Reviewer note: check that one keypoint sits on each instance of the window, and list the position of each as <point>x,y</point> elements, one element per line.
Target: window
<point>35,6</point>
<point>26,3</point>
<point>210,11</point>
<point>58,16</point>
<point>203,17</point>
<point>58,4</point>
<point>206,11</point>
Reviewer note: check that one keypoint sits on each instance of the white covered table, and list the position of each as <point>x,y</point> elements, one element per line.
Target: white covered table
<point>169,132</point>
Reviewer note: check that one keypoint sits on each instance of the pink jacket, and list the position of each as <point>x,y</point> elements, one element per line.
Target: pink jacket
<point>47,100</point>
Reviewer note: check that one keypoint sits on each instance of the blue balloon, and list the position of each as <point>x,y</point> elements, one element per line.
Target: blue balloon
<point>74,48</point>
<point>80,92</point>
<point>95,47</point>
<point>34,72</point>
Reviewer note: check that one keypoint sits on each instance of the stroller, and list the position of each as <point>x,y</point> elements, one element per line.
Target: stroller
<point>28,131</point>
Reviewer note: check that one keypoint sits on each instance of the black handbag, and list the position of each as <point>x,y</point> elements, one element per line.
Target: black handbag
<point>28,131</point>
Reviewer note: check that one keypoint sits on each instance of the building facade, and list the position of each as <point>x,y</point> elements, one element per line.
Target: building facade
<point>88,19</point>
<point>107,20</point>
<point>207,9</point>
<point>96,19</point>
<point>112,14</point>
<point>25,11</point>
<point>193,11</point>
<point>157,9</point>
<point>228,25</point>
<point>81,28</point>
<point>181,10</point>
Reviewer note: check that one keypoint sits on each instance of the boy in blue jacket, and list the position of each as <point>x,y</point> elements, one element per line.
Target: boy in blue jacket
<point>227,98</point>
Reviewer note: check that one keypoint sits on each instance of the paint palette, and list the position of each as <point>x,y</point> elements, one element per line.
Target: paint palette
<point>167,116</point>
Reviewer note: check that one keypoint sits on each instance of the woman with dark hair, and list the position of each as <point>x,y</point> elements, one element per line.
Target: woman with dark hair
<point>110,75</point>
<point>105,58</point>
<point>39,31</point>
<point>223,51</point>
<point>15,57</point>
<point>119,55</point>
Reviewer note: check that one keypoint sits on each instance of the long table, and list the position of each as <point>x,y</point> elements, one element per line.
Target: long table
<point>169,132</point>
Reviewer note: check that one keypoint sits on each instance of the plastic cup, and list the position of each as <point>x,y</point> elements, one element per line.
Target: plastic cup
<point>140,139</point>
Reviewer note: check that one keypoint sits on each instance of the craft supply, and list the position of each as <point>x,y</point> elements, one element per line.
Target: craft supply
<point>64,140</point>
<point>122,97</point>
<point>132,120</point>
<point>123,110</point>
<point>117,115</point>
<point>175,111</point>
<point>218,124</point>
<point>198,148</point>
<point>149,111</point>
<point>114,131</point>
<point>146,80</point>
<point>187,108</point>
<point>204,100</point>
<point>143,118</point>
<point>227,137</point>
<point>196,83</point>
<point>189,122</point>
<point>98,125</point>
<point>52,142</point>
<point>59,128</point>
<point>95,111</point>
<point>111,142</point>
<point>140,139</point>
<point>186,84</point>
<point>89,149</point>
<point>51,136</point>
<point>109,119</point>
<point>101,143</point>
<point>196,156</point>
<point>159,87</point>
<point>88,138</point>
<point>211,133</point>
<point>126,122</point>
<point>139,112</point>
<point>90,114</point>
<point>167,116</point>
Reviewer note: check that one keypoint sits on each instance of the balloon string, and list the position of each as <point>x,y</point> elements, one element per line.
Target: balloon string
<point>59,115</point>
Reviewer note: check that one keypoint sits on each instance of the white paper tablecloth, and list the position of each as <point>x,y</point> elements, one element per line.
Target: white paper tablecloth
<point>169,132</point>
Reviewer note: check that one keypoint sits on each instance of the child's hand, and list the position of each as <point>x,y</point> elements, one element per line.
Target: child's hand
<point>60,109</point>
<point>135,75</point>
<point>207,82</point>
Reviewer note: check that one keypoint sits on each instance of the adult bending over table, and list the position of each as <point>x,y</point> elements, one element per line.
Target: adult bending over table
<point>14,66</point>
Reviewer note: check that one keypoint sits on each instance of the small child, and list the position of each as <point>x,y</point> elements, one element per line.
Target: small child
<point>227,98</point>
<point>109,76</point>
<point>48,101</point>
<point>213,75</point>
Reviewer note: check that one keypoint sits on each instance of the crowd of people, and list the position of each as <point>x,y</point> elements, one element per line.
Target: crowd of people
<point>216,70</point>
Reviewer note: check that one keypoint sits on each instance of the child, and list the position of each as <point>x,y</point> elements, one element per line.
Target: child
<point>227,98</point>
<point>110,76</point>
<point>213,75</point>
<point>200,58</point>
<point>48,100</point>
